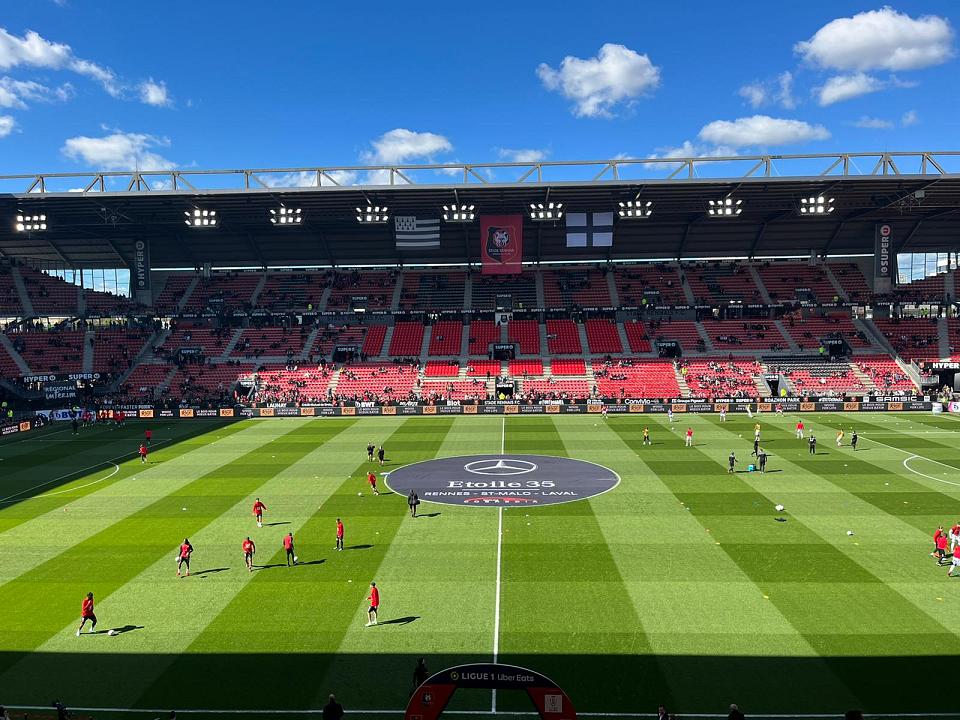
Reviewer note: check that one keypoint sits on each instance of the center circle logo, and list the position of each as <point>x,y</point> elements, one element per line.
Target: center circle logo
<point>503,480</point>
<point>500,466</point>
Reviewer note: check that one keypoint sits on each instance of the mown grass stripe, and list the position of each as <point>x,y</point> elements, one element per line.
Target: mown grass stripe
<point>302,624</point>
<point>847,601</point>
<point>107,560</point>
<point>30,505</point>
<point>40,538</point>
<point>563,596</point>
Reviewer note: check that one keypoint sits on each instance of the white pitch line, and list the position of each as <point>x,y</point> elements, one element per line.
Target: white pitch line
<point>9,499</point>
<point>908,452</point>
<point>931,477</point>
<point>496,602</point>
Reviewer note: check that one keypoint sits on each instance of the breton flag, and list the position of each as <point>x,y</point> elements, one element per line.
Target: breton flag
<point>414,232</point>
<point>589,229</point>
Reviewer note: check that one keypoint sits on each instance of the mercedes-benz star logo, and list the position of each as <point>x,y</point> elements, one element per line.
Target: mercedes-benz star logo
<point>506,466</point>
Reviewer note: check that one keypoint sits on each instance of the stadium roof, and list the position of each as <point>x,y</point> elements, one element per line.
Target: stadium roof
<point>94,219</point>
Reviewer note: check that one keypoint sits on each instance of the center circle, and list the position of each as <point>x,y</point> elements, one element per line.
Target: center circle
<point>503,480</point>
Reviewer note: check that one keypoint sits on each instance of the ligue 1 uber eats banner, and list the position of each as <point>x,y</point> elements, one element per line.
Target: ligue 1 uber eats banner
<point>501,244</point>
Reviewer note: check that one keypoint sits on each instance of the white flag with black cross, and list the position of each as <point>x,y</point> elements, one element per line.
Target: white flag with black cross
<point>594,229</point>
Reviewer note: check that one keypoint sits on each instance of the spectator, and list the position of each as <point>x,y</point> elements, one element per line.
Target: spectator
<point>332,710</point>
<point>735,713</point>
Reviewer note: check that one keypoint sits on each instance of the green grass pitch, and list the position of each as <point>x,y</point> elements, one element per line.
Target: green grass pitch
<point>679,587</point>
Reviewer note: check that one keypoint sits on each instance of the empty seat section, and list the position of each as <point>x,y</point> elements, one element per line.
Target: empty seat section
<point>407,339</point>
<point>852,281</point>
<point>475,389</point>
<point>373,342</point>
<point>482,333</point>
<point>521,288</point>
<point>582,288</point>
<point>347,335</point>
<point>144,380</point>
<point>603,337</point>
<point>9,298</point>
<point>657,284</point>
<point>928,289</point>
<point>104,303</point>
<point>563,338</point>
<point>372,290</point>
<point>54,351</point>
<point>713,282</point>
<point>115,350</point>
<point>439,368</point>
<point>292,291</point>
<point>568,366</point>
<point>526,333</point>
<point>796,281</point>
<point>745,335</point>
<point>271,341</point>
<point>445,337</point>
<point>556,389</point>
<point>480,368</point>
<point>807,332</point>
<point>817,376</point>
<point>683,331</point>
<point>49,295</point>
<point>432,291</point>
<point>519,368</point>
<point>173,291</point>
<point>912,338</point>
<point>230,290</point>
<point>637,336</point>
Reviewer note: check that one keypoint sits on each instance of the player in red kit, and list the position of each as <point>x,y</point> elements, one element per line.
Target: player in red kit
<point>374,598</point>
<point>186,550</point>
<point>339,535</point>
<point>249,549</point>
<point>148,436</point>
<point>689,440</point>
<point>372,479</point>
<point>143,453</point>
<point>86,613</point>
<point>799,429</point>
<point>288,548</point>
<point>258,508</point>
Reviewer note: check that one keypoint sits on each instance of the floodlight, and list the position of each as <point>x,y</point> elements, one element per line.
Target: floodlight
<point>635,210</point>
<point>816,205</point>
<point>458,213</point>
<point>727,207</point>
<point>30,223</point>
<point>373,214</point>
<point>544,212</point>
<point>199,218</point>
<point>286,216</point>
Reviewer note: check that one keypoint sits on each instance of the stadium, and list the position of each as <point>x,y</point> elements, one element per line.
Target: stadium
<point>664,436</point>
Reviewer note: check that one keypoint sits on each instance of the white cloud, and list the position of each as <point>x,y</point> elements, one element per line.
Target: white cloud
<point>400,145</point>
<point>761,130</point>
<point>686,149</point>
<point>909,118</point>
<point>522,155</point>
<point>597,85</point>
<point>119,151</point>
<point>879,40</point>
<point>6,125</point>
<point>154,93</point>
<point>307,179</point>
<point>34,51</point>
<point>16,93</point>
<point>757,94</point>
<point>845,87</point>
<point>872,123</point>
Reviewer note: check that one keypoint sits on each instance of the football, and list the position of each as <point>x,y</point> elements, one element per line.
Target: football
<point>295,558</point>
<point>779,508</point>
<point>849,532</point>
<point>111,633</point>
<point>360,493</point>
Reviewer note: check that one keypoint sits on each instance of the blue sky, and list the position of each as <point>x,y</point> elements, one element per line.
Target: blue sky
<point>111,85</point>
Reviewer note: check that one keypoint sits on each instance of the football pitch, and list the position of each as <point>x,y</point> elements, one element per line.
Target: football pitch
<point>681,586</point>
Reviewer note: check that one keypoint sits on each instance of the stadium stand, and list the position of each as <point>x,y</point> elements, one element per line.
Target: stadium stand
<point>650,285</point>
<point>808,331</point>
<point>814,375</point>
<point>912,338</point>
<point>522,288</point>
<point>636,378</point>
<point>885,373</point>
<point>174,288</point>
<point>115,350</point>
<point>683,331</point>
<point>575,288</point>
<point>407,339</point>
<point>717,377</point>
<point>526,333</point>
<point>551,389</point>
<point>568,366</point>
<point>50,351</point>
<point>287,384</point>
<point>372,381</point>
<point>346,289</point>
<point>50,296</point>
<point>480,368</point>
<point>852,281</point>
<point>432,290</point>
<point>9,299</point>
<point>474,389</point>
<point>145,380</point>
<point>637,336</point>
<point>928,289</point>
<point>521,368</point>
<point>230,290</point>
<point>441,368</point>
<point>712,282</point>
<point>745,335</point>
<point>794,281</point>
<point>482,333</point>
<point>292,291</point>
<point>373,341</point>
<point>271,341</point>
<point>563,338</point>
<point>330,336</point>
<point>445,337</point>
<point>602,337</point>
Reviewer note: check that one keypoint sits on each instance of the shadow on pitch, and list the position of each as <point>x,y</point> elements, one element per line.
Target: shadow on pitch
<point>433,514</point>
<point>401,621</point>
<point>211,571</point>
<point>274,524</point>
<point>118,630</point>
<point>358,547</point>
